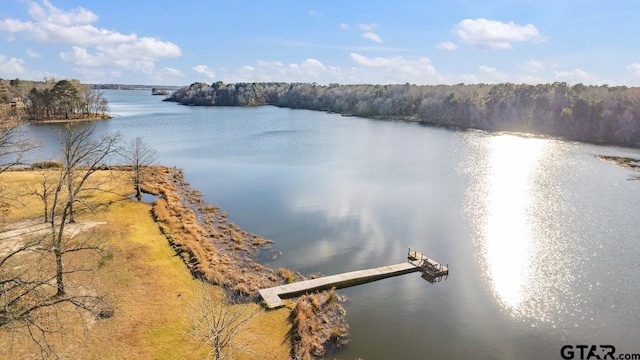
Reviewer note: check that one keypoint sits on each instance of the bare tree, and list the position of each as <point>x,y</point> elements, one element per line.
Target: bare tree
<point>46,186</point>
<point>29,302</point>
<point>217,319</point>
<point>13,147</point>
<point>13,144</point>
<point>140,156</point>
<point>82,156</point>
<point>33,273</point>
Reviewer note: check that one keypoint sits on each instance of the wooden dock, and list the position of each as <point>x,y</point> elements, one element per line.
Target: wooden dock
<point>417,262</point>
<point>429,266</point>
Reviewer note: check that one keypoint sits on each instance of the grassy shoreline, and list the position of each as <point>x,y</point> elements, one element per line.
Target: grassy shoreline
<point>148,286</point>
<point>222,253</point>
<point>161,251</point>
<point>75,120</point>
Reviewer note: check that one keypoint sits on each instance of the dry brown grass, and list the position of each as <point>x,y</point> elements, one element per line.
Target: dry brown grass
<point>318,320</point>
<point>287,275</point>
<point>147,286</point>
<point>219,251</point>
<point>213,248</point>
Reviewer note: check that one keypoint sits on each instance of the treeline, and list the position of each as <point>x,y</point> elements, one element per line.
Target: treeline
<point>14,89</point>
<point>52,99</point>
<point>65,99</point>
<point>600,114</point>
<point>131,87</point>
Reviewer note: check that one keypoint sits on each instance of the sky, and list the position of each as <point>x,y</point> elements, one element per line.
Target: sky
<point>424,42</point>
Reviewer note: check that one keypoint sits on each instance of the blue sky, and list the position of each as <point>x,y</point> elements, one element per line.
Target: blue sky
<point>420,42</point>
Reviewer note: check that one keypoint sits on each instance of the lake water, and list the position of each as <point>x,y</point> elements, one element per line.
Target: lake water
<point>542,238</point>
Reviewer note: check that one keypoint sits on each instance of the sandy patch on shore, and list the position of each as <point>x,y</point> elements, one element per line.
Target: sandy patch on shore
<point>18,233</point>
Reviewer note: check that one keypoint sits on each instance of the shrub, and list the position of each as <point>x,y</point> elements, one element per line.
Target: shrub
<point>46,165</point>
<point>331,296</point>
<point>287,275</point>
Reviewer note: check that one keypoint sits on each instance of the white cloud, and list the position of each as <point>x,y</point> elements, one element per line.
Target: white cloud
<point>90,45</point>
<point>51,14</point>
<point>171,71</point>
<point>367,27</point>
<point>33,54</point>
<point>344,26</point>
<point>371,36</point>
<point>575,76</point>
<point>312,65</point>
<point>447,45</point>
<point>376,70</point>
<point>204,70</point>
<point>314,13</point>
<point>398,69</point>
<point>143,66</point>
<point>491,75</point>
<point>529,79</point>
<point>494,35</point>
<point>80,56</point>
<point>271,70</point>
<point>144,48</point>
<point>533,66</point>
<point>468,79</point>
<point>310,68</point>
<point>634,69</point>
<point>11,67</point>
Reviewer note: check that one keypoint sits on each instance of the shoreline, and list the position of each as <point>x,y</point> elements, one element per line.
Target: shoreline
<point>57,121</point>
<point>625,162</point>
<point>222,253</point>
<point>415,120</point>
<point>210,248</point>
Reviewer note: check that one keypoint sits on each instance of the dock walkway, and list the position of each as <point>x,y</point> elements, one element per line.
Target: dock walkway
<point>272,296</point>
<point>417,262</point>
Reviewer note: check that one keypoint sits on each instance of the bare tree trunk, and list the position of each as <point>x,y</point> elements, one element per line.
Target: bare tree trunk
<point>71,218</point>
<point>59,272</point>
<point>218,348</point>
<point>71,198</point>
<point>139,155</point>
<point>57,234</point>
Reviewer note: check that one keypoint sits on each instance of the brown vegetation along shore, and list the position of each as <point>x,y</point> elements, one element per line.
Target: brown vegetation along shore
<point>222,253</point>
<point>211,247</point>
<point>149,290</point>
<point>626,162</point>
<point>70,120</point>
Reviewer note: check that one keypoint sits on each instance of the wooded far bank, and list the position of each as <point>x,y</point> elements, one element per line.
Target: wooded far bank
<point>599,114</point>
<point>53,100</point>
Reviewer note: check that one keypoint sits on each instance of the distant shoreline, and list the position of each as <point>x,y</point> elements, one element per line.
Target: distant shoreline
<point>56,121</point>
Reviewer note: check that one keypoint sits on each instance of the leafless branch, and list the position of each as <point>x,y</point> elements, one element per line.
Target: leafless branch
<point>33,275</point>
<point>216,320</point>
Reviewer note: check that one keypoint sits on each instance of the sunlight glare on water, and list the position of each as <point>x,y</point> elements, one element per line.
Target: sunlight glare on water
<point>516,242</point>
<point>508,228</point>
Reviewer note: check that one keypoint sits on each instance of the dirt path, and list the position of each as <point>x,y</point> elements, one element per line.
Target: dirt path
<point>11,240</point>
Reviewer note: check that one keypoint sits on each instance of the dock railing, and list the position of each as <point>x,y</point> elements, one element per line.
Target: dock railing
<point>431,266</point>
